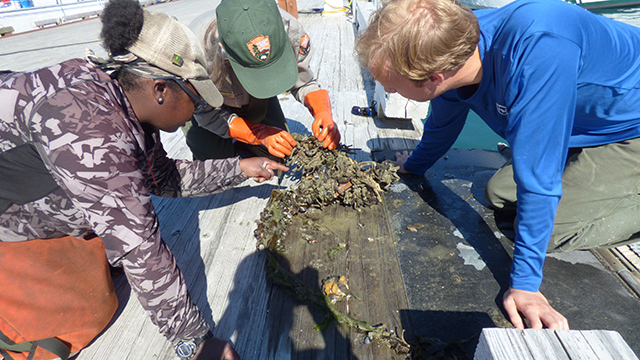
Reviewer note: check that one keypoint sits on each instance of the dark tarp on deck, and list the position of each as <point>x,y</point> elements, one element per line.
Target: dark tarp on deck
<point>455,261</point>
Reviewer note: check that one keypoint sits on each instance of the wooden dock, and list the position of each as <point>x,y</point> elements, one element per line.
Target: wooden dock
<point>430,260</point>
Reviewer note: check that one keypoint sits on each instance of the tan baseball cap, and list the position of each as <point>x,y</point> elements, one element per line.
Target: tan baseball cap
<point>166,43</point>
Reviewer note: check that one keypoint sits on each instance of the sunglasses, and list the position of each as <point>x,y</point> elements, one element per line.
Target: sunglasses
<point>200,103</point>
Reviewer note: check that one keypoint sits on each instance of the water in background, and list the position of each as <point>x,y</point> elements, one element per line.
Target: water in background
<point>476,134</point>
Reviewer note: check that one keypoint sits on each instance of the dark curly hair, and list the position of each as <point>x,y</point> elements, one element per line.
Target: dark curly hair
<point>121,24</point>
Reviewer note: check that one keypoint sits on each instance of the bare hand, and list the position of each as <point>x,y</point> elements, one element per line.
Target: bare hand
<point>535,307</point>
<point>216,349</point>
<point>260,168</point>
<point>401,159</point>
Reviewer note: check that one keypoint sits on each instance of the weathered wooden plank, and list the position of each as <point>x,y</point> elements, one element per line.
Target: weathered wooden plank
<point>609,345</point>
<point>498,343</point>
<point>382,295</point>
<point>358,246</point>
<point>364,279</point>
<point>576,345</point>
<point>310,264</point>
<point>503,344</point>
<point>338,71</point>
<point>225,230</point>
<point>544,345</point>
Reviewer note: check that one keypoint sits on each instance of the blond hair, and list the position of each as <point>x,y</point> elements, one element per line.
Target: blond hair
<point>418,38</point>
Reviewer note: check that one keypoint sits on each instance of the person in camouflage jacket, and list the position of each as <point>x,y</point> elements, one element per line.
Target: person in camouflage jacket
<point>80,154</point>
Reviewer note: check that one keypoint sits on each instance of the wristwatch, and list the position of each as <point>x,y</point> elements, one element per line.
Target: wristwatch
<point>186,349</point>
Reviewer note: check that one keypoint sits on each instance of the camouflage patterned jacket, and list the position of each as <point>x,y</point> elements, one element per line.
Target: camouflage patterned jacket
<point>74,160</point>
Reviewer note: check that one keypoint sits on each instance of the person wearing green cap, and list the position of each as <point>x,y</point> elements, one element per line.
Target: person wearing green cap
<point>80,158</point>
<point>256,51</point>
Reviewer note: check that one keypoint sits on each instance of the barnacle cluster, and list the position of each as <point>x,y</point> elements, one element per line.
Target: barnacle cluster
<point>326,177</point>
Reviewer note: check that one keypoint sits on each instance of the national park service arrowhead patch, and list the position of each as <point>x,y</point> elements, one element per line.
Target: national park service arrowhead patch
<point>304,45</point>
<point>260,47</point>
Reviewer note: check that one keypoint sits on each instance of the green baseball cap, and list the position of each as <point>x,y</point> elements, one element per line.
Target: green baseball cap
<point>257,46</point>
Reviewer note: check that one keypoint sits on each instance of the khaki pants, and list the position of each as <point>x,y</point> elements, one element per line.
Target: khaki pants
<point>206,145</point>
<point>600,205</point>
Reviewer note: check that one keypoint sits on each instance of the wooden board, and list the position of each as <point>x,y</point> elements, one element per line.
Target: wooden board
<point>359,246</point>
<point>513,344</point>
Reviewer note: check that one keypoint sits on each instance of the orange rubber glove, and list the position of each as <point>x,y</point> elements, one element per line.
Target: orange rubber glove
<point>279,142</point>
<point>323,127</point>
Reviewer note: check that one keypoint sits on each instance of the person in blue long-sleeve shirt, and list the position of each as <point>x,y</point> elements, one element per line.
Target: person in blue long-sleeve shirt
<point>560,84</point>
